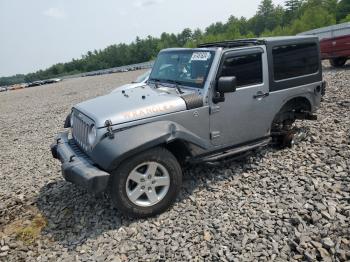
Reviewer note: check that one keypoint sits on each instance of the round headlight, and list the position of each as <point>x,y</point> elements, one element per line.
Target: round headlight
<point>71,119</point>
<point>92,135</point>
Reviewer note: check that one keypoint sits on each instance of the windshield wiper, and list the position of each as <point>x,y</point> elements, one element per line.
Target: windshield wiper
<point>177,83</point>
<point>171,81</point>
<point>155,80</point>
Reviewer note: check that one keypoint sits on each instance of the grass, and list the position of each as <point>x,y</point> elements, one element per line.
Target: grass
<point>28,234</point>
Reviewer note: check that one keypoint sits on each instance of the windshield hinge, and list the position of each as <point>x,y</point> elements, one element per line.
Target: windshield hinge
<point>214,135</point>
<point>110,133</point>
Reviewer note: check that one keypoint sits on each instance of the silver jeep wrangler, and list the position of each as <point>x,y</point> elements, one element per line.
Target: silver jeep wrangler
<point>199,105</point>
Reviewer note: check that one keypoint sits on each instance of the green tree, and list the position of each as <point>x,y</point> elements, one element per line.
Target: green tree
<point>346,19</point>
<point>292,10</point>
<point>184,36</point>
<point>267,17</point>
<point>343,10</point>
<point>269,20</point>
<point>215,29</point>
<point>293,5</point>
<point>312,18</point>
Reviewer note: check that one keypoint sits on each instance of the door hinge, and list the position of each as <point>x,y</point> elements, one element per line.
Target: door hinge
<point>214,109</point>
<point>214,135</point>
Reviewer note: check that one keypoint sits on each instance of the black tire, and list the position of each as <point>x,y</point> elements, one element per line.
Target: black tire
<point>338,62</point>
<point>120,176</point>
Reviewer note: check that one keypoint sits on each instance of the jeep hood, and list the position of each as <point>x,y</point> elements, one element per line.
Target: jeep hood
<point>130,105</point>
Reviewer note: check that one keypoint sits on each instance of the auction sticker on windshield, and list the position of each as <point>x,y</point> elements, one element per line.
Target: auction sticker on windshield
<point>200,56</point>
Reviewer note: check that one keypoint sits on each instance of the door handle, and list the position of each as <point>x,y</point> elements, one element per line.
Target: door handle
<point>261,95</point>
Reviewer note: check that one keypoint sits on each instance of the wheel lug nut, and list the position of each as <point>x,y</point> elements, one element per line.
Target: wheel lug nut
<point>143,187</point>
<point>150,189</point>
<point>142,180</point>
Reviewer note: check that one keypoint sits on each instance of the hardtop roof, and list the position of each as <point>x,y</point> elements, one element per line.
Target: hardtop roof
<point>249,42</point>
<point>256,41</point>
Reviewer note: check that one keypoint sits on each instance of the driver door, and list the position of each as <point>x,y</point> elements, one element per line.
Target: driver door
<point>241,118</point>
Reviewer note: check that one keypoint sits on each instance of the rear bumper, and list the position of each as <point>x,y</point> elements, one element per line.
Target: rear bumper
<point>77,167</point>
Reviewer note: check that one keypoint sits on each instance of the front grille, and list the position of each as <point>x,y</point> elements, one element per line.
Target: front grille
<point>78,152</point>
<point>80,131</point>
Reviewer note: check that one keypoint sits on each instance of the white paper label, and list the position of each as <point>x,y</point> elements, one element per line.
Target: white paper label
<point>200,56</point>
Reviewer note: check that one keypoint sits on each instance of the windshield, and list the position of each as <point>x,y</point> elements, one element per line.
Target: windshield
<point>143,77</point>
<point>184,67</point>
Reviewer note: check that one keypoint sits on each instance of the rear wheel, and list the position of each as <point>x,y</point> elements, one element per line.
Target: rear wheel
<point>146,184</point>
<point>338,62</point>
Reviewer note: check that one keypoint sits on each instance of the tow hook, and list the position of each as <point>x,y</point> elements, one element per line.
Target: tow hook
<point>71,159</point>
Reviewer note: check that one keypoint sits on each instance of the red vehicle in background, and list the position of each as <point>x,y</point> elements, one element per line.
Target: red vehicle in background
<point>334,43</point>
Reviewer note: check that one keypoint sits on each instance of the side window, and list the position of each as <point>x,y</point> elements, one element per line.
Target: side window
<point>295,60</point>
<point>246,68</point>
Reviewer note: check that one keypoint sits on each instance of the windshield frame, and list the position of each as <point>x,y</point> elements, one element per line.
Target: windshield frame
<point>180,82</point>
<point>142,78</point>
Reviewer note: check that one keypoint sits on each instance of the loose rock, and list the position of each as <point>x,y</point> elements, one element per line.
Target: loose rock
<point>271,205</point>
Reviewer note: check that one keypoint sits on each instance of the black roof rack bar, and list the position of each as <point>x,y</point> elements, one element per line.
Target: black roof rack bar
<point>234,43</point>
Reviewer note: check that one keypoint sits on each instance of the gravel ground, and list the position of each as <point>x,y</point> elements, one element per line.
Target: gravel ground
<point>291,204</point>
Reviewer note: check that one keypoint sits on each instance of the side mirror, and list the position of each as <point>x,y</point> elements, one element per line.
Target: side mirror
<point>227,84</point>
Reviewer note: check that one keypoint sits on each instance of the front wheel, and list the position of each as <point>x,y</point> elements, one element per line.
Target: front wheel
<point>146,184</point>
<point>338,62</point>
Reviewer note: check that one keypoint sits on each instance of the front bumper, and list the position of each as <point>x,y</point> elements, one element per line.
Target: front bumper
<point>77,167</point>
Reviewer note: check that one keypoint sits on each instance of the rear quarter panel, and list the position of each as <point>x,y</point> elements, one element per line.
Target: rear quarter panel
<point>278,99</point>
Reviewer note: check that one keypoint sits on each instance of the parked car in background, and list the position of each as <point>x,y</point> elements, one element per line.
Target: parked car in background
<point>51,81</point>
<point>334,43</point>
<point>35,83</point>
<point>141,80</point>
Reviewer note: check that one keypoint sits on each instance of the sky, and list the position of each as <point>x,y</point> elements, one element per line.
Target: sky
<point>39,33</point>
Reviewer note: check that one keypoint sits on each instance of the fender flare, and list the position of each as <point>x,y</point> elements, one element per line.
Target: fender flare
<point>110,152</point>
